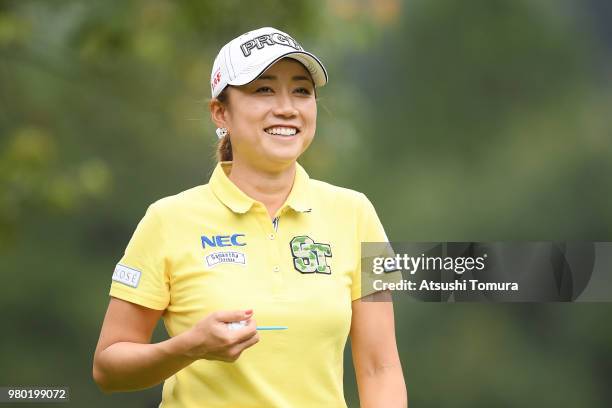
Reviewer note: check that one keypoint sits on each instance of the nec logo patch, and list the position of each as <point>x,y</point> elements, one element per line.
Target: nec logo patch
<point>127,276</point>
<point>223,240</point>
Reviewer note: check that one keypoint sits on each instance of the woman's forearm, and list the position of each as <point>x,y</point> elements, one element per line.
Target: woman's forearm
<point>382,387</point>
<point>128,366</point>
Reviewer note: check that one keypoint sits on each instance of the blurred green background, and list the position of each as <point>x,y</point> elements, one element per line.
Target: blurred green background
<point>474,120</point>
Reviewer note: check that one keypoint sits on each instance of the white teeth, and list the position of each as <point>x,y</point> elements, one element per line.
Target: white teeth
<point>285,131</point>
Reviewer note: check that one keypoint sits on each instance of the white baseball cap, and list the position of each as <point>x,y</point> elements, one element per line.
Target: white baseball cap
<point>243,59</point>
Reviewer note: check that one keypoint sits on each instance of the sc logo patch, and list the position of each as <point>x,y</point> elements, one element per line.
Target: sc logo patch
<point>310,256</point>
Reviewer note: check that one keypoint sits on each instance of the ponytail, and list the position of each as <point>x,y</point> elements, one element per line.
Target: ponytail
<point>224,149</point>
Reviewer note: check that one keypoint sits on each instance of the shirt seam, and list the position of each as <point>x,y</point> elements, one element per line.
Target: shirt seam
<point>143,299</point>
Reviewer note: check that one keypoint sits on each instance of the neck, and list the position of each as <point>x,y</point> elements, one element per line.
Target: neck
<point>271,188</point>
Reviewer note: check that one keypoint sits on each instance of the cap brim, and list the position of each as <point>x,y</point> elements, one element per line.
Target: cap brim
<point>310,62</point>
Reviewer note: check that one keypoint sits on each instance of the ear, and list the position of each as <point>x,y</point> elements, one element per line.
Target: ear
<point>218,112</point>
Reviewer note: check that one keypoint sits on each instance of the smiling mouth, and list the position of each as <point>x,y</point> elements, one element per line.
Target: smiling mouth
<point>281,131</point>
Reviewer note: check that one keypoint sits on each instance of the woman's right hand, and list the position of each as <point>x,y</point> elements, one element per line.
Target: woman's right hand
<point>211,339</point>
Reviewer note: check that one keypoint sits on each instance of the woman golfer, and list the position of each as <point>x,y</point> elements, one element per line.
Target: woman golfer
<point>257,274</point>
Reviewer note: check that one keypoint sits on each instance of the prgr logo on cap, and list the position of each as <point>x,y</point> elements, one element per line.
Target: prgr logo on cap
<point>269,39</point>
<point>265,45</point>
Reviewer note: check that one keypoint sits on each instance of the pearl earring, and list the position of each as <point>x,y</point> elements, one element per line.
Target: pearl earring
<point>221,132</point>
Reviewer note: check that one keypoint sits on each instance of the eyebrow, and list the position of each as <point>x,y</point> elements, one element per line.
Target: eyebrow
<point>274,77</point>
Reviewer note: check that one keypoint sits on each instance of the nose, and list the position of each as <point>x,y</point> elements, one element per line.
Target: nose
<point>284,106</point>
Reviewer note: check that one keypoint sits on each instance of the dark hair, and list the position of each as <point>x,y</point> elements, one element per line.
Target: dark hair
<point>224,146</point>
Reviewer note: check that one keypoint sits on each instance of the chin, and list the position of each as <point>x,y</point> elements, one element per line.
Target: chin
<point>282,160</point>
<point>284,155</point>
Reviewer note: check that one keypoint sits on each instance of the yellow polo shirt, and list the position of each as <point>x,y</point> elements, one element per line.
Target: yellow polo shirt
<point>213,248</point>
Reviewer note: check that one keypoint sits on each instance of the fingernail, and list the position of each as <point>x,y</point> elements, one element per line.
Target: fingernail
<point>248,312</point>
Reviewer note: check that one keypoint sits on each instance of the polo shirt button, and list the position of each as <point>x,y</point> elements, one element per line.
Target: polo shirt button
<point>276,268</point>
<point>271,236</point>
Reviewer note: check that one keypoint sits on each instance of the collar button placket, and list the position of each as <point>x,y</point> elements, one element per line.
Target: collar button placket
<point>271,241</point>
